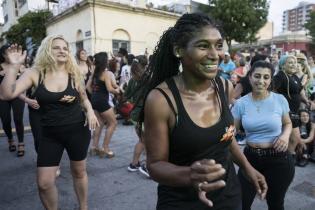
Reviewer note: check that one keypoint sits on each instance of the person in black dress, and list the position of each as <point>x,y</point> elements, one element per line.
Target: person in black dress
<point>287,83</point>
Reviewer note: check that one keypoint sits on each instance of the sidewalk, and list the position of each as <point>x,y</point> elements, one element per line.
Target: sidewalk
<point>111,186</point>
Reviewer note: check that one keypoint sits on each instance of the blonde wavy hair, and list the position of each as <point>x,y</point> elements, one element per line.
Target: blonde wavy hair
<point>45,62</point>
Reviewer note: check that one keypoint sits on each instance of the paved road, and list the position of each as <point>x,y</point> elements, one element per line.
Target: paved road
<point>111,186</point>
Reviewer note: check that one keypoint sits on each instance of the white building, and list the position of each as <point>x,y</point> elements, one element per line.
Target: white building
<point>108,25</point>
<point>14,9</point>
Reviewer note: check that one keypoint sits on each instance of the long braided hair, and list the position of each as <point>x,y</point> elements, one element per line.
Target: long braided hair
<point>163,63</point>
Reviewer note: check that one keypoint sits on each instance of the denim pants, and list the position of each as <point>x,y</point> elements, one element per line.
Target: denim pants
<point>278,171</point>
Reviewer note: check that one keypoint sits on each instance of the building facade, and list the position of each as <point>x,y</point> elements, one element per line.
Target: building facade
<point>294,19</point>
<point>14,9</point>
<point>280,44</point>
<point>106,26</point>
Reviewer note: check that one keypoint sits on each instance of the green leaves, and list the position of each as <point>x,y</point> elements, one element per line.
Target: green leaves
<point>32,25</point>
<point>240,19</point>
<point>310,25</point>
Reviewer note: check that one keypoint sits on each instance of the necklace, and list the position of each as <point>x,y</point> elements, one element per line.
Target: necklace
<point>258,103</point>
<point>257,106</point>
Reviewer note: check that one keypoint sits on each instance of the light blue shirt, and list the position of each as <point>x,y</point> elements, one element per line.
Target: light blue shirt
<point>262,120</point>
<point>226,69</point>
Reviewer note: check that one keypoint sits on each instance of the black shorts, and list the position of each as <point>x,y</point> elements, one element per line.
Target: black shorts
<point>100,103</point>
<point>75,138</point>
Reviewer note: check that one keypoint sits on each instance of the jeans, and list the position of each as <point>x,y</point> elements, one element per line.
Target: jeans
<point>278,171</point>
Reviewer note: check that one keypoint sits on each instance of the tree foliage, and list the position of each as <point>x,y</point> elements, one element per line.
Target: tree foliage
<point>31,25</point>
<point>240,19</point>
<point>310,26</point>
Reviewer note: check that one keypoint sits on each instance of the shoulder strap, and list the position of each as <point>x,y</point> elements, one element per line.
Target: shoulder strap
<point>173,88</point>
<point>226,89</point>
<point>34,89</point>
<point>222,93</point>
<point>167,99</point>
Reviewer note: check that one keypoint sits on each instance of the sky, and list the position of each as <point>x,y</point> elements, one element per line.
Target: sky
<point>275,11</point>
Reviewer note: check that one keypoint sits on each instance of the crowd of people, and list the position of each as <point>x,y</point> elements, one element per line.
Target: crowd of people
<point>190,104</point>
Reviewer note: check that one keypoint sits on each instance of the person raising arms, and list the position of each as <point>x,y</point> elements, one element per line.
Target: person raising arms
<point>60,92</point>
<point>188,127</point>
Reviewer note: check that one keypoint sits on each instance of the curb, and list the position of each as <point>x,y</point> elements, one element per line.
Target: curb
<point>27,129</point>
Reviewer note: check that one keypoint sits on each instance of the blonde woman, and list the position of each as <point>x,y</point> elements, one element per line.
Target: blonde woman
<point>59,92</point>
<point>304,72</point>
<point>287,83</point>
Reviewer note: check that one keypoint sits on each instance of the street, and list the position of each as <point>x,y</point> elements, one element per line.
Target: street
<point>111,186</point>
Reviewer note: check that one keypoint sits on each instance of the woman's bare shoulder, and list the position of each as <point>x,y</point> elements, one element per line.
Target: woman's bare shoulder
<point>158,101</point>
<point>32,74</point>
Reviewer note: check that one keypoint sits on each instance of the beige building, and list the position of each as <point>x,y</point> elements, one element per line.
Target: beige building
<point>107,26</point>
<point>266,32</point>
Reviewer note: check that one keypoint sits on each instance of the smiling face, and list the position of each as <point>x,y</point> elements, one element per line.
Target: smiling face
<point>260,80</point>
<point>304,117</point>
<point>290,66</point>
<point>201,55</point>
<point>83,55</point>
<point>60,50</point>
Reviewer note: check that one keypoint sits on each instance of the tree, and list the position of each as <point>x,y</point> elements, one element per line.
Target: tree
<point>240,19</point>
<point>32,24</point>
<point>310,26</point>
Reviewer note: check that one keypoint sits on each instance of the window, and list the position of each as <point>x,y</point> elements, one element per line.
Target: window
<point>79,40</point>
<point>6,18</point>
<point>79,45</point>
<point>120,44</point>
<point>21,3</point>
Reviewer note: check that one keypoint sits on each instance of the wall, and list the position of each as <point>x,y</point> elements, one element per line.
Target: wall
<point>69,26</point>
<point>142,28</point>
<point>266,32</point>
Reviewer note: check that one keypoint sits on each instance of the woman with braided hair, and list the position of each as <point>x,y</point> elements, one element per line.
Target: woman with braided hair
<point>188,127</point>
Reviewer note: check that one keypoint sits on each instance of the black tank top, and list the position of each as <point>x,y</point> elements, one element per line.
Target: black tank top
<point>189,143</point>
<point>54,111</point>
<point>290,87</point>
<point>99,87</point>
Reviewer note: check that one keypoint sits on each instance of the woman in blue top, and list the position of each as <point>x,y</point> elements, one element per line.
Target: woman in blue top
<point>265,118</point>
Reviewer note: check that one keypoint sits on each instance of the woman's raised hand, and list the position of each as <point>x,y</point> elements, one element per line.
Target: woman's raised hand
<point>16,55</point>
<point>206,175</point>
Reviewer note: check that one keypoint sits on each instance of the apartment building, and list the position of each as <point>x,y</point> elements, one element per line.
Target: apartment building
<point>294,19</point>
<point>14,9</point>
